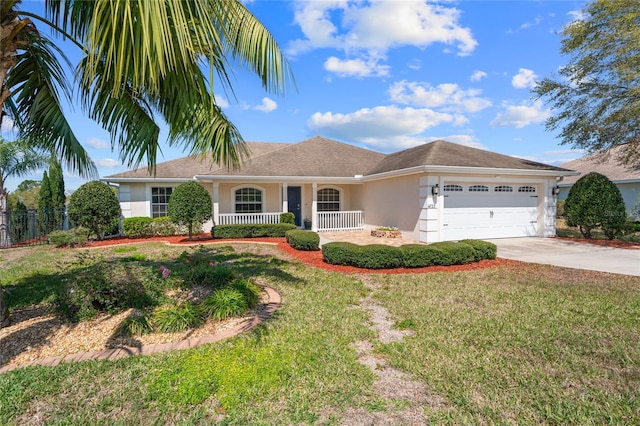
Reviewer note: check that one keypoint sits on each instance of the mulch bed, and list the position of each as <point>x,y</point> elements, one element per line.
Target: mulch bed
<point>310,258</point>
<point>607,243</point>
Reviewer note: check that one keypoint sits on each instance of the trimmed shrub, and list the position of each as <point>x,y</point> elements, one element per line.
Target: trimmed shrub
<point>94,205</point>
<point>482,249</point>
<point>164,227</point>
<point>340,253</point>
<point>594,201</point>
<point>455,253</point>
<point>419,256</point>
<point>190,205</point>
<point>379,256</point>
<point>72,237</point>
<point>287,217</point>
<point>136,227</point>
<point>303,240</point>
<point>251,230</point>
<point>224,303</point>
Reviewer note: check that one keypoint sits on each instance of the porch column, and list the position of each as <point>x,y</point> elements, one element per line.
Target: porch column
<point>285,198</point>
<point>314,207</point>
<point>216,203</point>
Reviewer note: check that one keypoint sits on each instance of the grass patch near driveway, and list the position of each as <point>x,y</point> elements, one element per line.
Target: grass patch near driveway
<point>532,345</point>
<point>527,344</point>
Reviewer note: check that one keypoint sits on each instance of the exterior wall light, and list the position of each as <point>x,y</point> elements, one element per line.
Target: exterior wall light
<point>555,191</point>
<point>435,190</point>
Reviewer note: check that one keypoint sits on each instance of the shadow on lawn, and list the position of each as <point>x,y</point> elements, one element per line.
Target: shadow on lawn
<point>41,295</point>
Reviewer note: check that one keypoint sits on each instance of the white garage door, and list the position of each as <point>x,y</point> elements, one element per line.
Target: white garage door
<point>489,211</point>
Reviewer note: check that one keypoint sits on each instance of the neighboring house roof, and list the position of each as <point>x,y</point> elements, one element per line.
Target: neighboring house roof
<point>606,163</point>
<point>442,153</point>
<point>322,157</point>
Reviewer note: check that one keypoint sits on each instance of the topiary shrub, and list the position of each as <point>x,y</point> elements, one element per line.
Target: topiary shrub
<point>94,205</point>
<point>190,205</point>
<point>251,230</point>
<point>69,238</point>
<point>419,256</point>
<point>379,256</point>
<point>455,253</point>
<point>303,240</point>
<point>287,217</point>
<point>137,227</point>
<point>594,201</point>
<point>482,249</point>
<point>340,253</point>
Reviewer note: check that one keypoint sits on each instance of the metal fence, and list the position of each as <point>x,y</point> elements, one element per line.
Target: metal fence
<point>30,227</point>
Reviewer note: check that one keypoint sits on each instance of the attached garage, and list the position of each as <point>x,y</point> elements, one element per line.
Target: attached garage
<point>489,210</point>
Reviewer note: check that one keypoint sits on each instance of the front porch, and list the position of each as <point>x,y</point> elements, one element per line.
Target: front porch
<point>320,222</point>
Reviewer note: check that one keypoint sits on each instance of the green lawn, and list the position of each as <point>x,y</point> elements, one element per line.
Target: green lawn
<point>527,345</point>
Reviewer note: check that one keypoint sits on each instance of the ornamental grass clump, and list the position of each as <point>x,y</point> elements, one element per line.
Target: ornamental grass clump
<point>175,318</point>
<point>224,303</point>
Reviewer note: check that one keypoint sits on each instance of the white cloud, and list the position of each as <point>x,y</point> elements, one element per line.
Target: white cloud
<point>521,115</point>
<point>356,67</point>
<point>107,162</point>
<point>268,105</point>
<point>556,157</point>
<point>525,78</point>
<point>221,101</point>
<point>372,125</point>
<point>7,125</point>
<point>577,15</point>
<point>448,96</point>
<point>415,64</point>
<point>97,143</point>
<point>378,25</point>
<point>478,75</point>
<point>536,21</point>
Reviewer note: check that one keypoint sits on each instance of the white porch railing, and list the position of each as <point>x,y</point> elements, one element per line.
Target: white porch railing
<point>340,221</point>
<point>243,218</point>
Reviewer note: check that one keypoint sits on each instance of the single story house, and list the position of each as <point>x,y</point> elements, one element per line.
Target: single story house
<point>625,177</point>
<point>438,191</point>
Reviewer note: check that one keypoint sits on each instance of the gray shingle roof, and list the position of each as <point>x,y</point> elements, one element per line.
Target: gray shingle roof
<point>320,156</point>
<point>442,153</point>
<point>606,163</point>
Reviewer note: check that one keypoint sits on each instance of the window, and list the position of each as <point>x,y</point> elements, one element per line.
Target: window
<point>527,189</point>
<point>453,188</point>
<point>248,200</point>
<point>160,201</point>
<point>478,188</point>
<point>328,200</point>
<point>503,188</point>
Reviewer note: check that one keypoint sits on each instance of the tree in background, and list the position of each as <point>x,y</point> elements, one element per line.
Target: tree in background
<point>596,98</point>
<point>58,197</point>
<point>595,202</point>
<point>45,206</point>
<point>27,185</point>
<point>95,206</point>
<point>190,205</point>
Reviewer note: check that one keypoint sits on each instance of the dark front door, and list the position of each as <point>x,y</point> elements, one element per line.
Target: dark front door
<point>294,199</point>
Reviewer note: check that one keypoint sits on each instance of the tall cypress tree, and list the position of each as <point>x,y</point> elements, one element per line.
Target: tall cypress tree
<point>45,204</point>
<point>56,184</point>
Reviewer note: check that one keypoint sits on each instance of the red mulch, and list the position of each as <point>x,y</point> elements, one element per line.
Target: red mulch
<point>310,258</point>
<point>607,243</point>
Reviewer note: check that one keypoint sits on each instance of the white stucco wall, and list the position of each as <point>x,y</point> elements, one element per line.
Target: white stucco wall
<point>393,202</point>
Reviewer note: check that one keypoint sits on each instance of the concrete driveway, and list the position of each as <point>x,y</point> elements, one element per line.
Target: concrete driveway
<point>553,251</point>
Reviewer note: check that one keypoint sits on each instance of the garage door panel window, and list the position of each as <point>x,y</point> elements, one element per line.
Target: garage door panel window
<point>503,188</point>
<point>248,200</point>
<point>452,188</point>
<point>527,189</point>
<point>328,200</point>
<point>478,188</point>
<point>160,201</point>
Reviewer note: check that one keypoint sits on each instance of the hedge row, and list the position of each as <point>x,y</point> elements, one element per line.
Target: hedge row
<point>251,230</point>
<point>378,256</point>
<point>142,226</point>
<point>303,240</point>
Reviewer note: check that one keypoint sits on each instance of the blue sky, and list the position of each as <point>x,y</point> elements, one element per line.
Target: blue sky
<point>388,75</point>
